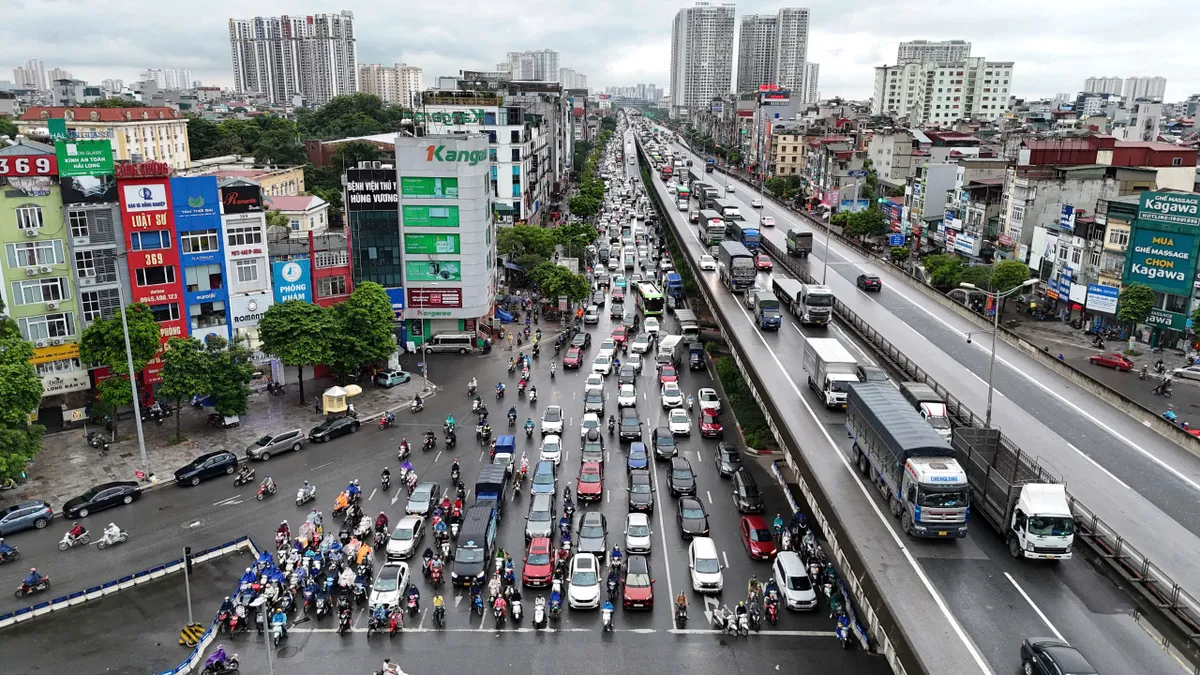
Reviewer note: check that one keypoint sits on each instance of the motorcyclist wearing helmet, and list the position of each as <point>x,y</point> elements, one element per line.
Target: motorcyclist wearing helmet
<point>284,530</point>
<point>381,522</point>
<point>34,578</point>
<point>5,549</point>
<point>227,605</point>
<point>353,490</point>
<point>112,532</point>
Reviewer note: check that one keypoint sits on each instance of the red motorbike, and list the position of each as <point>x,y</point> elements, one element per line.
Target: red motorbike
<point>24,590</point>
<point>435,577</point>
<point>395,622</point>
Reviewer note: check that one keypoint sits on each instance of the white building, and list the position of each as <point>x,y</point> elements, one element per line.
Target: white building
<point>941,93</point>
<point>773,49</point>
<point>535,66</point>
<point>313,56</point>
<point>812,82</point>
<point>396,85</point>
<point>244,226</point>
<point>944,51</point>
<point>701,56</point>
<point>58,74</point>
<point>1103,85</point>
<point>1153,88</point>
<point>570,79</point>
<point>32,75</point>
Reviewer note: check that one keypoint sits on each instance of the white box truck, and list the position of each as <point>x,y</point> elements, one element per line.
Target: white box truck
<point>830,369</point>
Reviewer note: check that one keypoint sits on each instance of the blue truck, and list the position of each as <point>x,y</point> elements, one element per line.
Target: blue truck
<point>766,310</point>
<point>674,284</point>
<point>741,232</point>
<point>710,165</point>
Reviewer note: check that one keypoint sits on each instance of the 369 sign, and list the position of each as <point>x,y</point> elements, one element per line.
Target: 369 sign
<point>29,165</point>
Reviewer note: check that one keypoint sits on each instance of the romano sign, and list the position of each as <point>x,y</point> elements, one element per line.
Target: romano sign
<point>1164,242</point>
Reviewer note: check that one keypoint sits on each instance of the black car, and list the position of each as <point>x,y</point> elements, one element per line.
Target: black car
<point>593,447</point>
<point>101,497</point>
<point>1050,656</point>
<point>598,298</point>
<point>869,282</point>
<point>593,534</point>
<point>632,322</point>
<point>681,480</point>
<point>728,460</point>
<point>582,340</point>
<point>746,495</point>
<point>626,375</point>
<point>616,310</point>
<point>663,442</point>
<point>630,425</point>
<point>593,402</point>
<point>641,491</point>
<point>207,466</point>
<point>332,428</point>
<point>692,519</point>
<point>871,374</point>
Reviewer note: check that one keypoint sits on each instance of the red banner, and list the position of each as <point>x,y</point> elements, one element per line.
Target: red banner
<point>434,298</point>
<point>29,165</point>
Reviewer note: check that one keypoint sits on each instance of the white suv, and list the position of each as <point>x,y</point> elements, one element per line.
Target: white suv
<point>627,396</point>
<point>552,420</point>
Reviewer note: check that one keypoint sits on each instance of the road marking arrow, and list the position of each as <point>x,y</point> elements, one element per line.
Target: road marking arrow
<point>396,497</point>
<point>710,604</point>
<point>458,599</point>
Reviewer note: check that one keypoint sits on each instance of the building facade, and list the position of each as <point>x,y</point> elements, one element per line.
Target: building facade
<point>1103,85</point>
<point>147,134</point>
<point>244,226</point>
<point>757,56</point>
<point>812,82</point>
<point>31,76</point>
<point>701,56</point>
<point>791,50</point>
<point>396,85</point>
<point>534,66</point>
<point>278,57</point>
<point>940,51</point>
<point>927,92</point>
<point>1153,88</point>
<point>202,256</point>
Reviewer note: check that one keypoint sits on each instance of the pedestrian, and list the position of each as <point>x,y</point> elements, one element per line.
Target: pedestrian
<point>510,341</point>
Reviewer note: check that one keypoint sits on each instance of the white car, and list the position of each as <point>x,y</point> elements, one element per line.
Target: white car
<point>391,583</point>
<point>1187,372</point>
<point>651,327</point>
<point>671,395</point>
<point>665,265</point>
<point>406,537</point>
<point>626,396</point>
<point>640,344</point>
<point>593,381</point>
<point>729,187</point>
<point>637,533</point>
<point>602,364</point>
<point>590,421</point>
<point>583,587</point>
<point>633,359</point>
<point>756,203</point>
<point>552,420</point>
<point>551,449</point>
<point>679,423</point>
<point>608,347</point>
<point>707,262</point>
<point>709,399</point>
<point>768,221</point>
<point>613,264</point>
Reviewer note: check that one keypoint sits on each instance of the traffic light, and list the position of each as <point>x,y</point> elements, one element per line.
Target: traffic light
<point>187,558</point>
<point>880,200</point>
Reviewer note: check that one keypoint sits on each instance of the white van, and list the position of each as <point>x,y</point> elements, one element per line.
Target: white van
<point>450,342</point>
<point>791,576</point>
<point>705,566</point>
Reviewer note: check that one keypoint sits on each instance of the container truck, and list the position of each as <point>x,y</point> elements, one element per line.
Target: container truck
<point>683,197</point>
<point>709,166</point>
<point>711,227</point>
<point>910,464</point>
<point>1017,497</point>
<point>799,244</point>
<point>749,235</point>
<point>831,369</point>
<point>728,210</point>
<point>787,291</point>
<point>929,405</point>
<point>708,195</point>
<point>735,264</point>
<point>816,304</point>
<point>670,350</point>
<point>689,325</point>
<point>766,310</point>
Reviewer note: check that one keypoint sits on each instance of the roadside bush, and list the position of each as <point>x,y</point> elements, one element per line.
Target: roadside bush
<point>754,424</point>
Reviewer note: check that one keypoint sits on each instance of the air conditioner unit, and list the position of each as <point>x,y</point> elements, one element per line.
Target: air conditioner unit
<point>51,305</point>
<point>56,341</point>
<point>32,232</point>
<point>46,268</point>
<point>39,344</point>
<point>30,271</point>
<point>87,281</point>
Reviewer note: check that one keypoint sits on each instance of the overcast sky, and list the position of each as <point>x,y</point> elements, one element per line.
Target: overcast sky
<point>620,42</point>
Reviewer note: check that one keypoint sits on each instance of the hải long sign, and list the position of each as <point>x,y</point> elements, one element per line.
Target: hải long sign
<point>1161,258</point>
<point>84,158</point>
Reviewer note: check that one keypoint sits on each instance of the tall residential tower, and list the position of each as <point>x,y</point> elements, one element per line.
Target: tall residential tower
<point>773,49</point>
<point>701,56</point>
<point>281,57</point>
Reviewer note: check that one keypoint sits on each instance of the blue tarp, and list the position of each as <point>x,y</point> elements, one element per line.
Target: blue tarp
<point>504,316</point>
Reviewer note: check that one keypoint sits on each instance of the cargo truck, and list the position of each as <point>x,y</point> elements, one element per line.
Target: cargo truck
<point>815,305</point>
<point>708,196</point>
<point>709,166</point>
<point>689,325</point>
<point>683,197</point>
<point>711,227</point>
<point>766,310</point>
<point>929,405</point>
<point>735,264</point>
<point>910,464</point>
<point>695,356</point>
<point>799,244</point>
<point>747,234</point>
<point>670,351</point>
<point>1020,500</point>
<point>728,210</point>
<point>489,488</point>
<point>674,284</point>
<point>831,369</point>
<point>787,291</point>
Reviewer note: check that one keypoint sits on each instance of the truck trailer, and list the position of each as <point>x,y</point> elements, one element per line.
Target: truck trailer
<point>929,405</point>
<point>830,369</point>
<point>735,264</point>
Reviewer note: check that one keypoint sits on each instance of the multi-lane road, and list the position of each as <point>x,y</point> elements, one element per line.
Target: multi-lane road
<point>972,591</point>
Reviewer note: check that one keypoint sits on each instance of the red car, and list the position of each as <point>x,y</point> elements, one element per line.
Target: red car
<point>573,359</point>
<point>539,563</point>
<point>618,294</point>
<point>590,486</point>
<point>1116,361</point>
<point>757,538</point>
<point>667,374</point>
<point>620,335</point>
<point>763,262</point>
<point>638,585</point>
<point>710,423</point>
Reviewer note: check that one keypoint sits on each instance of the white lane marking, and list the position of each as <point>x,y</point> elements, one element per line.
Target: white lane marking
<point>1035,607</point>
<point>372,494</point>
<point>396,497</point>
<point>725,558</point>
<point>321,467</point>
<point>607,495</point>
<point>437,456</point>
<point>908,556</point>
<point>662,531</point>
<point>229,501</point>
<point>1093,462</point>
<point>424,612</point>
<point>709,495</point>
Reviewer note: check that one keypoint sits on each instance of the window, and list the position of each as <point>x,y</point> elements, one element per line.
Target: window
<point>514,136</point>
<point>46,327</point>
<point>29,217</point>
<point>149,241</point>
<point>1118,237</point>
<point>246,271</point>
<point>1076,256</point>
<point>94,224</point>
<point>155,276</point>
<point>1062,252</point>
<point>200,241</point>
<point>30,253</point>
<point>202,278</point>
<point>78,220</point>
<point>85,264</point>
<point>243,236</point>
<point>102,304</point>
<point>294,223</point>
<point>168,312</point>
<point>1094,258</point>
<point>331,286</point>
<point>207,315</point>
<point>1176,161</point>
<point>56,367</point>
<point>40,290</point>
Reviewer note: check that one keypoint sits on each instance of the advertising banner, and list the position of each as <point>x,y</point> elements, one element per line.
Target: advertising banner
<point>246,310</point>
<point>396,295</point>
<point>58,129</point>
<point>430,216</point>
<point>89,190</point>
<point>29,165</point>
<point>433,270</point>
<point>196,199</point>
<point>429,188</point>
<point>1066,219</point>
<point>1102,298</point>
<point>1162,260</point>
<point>144,205</point>
<point>29,186</point>
<point>1161,318</point>
<point>371,190</point>
<point>1176,208</point>
<point>293,280</point>
<point>241,199</point>
<point>434,298</point>
<point>84,158</point>
<point>432,244</point>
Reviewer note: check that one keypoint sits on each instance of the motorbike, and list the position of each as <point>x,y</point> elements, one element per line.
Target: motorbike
<point>395,621</point>
<point>451,440</point>
<point>499,392</point>
<point>1144,372</point>
<point>532,397</point>
<point>516,611</point>
<point>322,606</point>
<point>454,531</point>
<point>275,388</point>
<point>755,619</point>
<point>107,541</point>
<point>843,630</point>
<point>612,424</point>
<point>500,616</point>
<point>435,577</point>
<point>9,556</point>
<point>265,491</point>
<point>606,615</point>
<point>215,666</point>
<point>385,422</point>
<point>417,406</point>
<point>414,606</point>
<point>681,616</point>
<point>360,592</point>
<point>1170,416</point>
<point>344,622</point>
<point>439,617</point>
<point>429,444</point>
<point>98,442</point>
<point>380,540</point>
<point>471,388</point>
<point>67,542</point>
<point>24,590</point>
<point>539,613</point>
<point>402,452</point>
<point>772,608</point>
<point>612,589</point>
<point>386,480</point>
<point>455,471</point>
<point>528,431</point>
<point>743,624</point>
<point>245,475</point>
<point>1162,390</point>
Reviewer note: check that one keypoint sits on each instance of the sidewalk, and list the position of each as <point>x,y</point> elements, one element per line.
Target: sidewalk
<point>67,466</point>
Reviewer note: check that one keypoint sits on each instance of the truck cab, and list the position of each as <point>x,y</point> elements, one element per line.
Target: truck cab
<point>929,405</point>
<point>766,310</point>
<point>1041,525</point>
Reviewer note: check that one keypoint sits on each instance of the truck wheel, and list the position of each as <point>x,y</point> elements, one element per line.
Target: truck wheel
<point>1014,547</point>
<point>862,463</point>
<point>906,524</point>
<point>895,505</point>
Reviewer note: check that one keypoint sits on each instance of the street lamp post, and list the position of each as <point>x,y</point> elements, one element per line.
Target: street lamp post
<point>137,406</point>
<point>996,298</point>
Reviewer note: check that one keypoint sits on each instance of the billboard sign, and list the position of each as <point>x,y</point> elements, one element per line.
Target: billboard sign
<point>433,270</point>
<point>1102,298</point>
<point>293,280</point>
<point>1161,259</point>
<point>145,205</point>
<point>396,295</point>
<point>29,165</point>
<point>241,199</point>
<point>89,190</point>
<point>1066,218</point>
<point>194,199</point>
<point>371,190</point>
<point>1161,318</point>
<point>429,188</point>
<point>84,158</point>
<point>29,186</point>
<point>432,244</point>
<point>430,216</point>
<point>1175,208</point>
<point>434,298</point>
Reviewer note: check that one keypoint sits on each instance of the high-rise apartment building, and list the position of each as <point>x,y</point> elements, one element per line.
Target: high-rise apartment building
<point>112,86</point>
<point>1153,88</point>
<point>941,93</point>
<point>57,74</point>
<point>812,78</point>
<point>281,57</point>
<point>1103,85</point>
<point>944,51</point>
<point>773,50</point>
<point>536,66</point>
<point>569,79</point>
<point>32,75</point>
<point>397,85</point>
<point>701,56</point>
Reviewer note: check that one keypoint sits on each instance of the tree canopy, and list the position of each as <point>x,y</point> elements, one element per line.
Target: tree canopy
<point>104,343</point>
<point>185,373</point>
<point>556,280</point>
<point>1134,303</point>
<point>297,333</point>
<point>362,334</point>
<point>20,394</point>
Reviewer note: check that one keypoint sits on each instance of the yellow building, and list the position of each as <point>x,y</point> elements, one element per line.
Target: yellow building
<point>275,182</point>
<point>158,134</point>
<point>788,153</point>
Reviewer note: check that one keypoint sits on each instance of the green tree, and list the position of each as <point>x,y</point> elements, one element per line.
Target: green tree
<point>899,254</point>
<point>103,343</point>
<point>349,154</point>
<point>945,271</point>
<point>20,394</point>
<point>7,128</point>
<point>575,238</point>
<point>276,219</point>
<point>229,376</point>
<point>363,334</point>
<point>584,206</point>
<point>279,146</point>
<point>868,223</point>
<point>297,333</point>
<point>979,275</point>
<point>609,123</point>
<point>786,187</point>
<point>1134,305</point>
<point>1009,274</point>
<point>555,281</point>
<point>202,137</point>
<point>525,239</point>
<point>185,374</point>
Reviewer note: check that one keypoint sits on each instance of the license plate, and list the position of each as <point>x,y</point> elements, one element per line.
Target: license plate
<point>941,534</point>
<point>638,604</point>
<point>1051,557</point>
